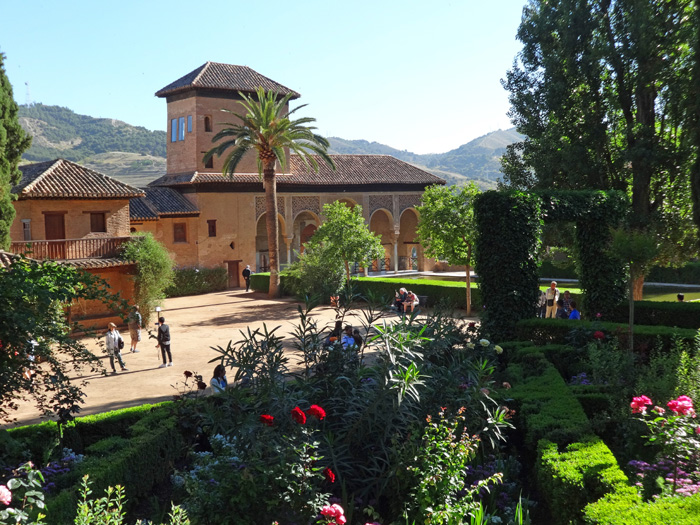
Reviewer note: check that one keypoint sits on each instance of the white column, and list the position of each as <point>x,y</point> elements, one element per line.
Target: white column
<point>396,257</point>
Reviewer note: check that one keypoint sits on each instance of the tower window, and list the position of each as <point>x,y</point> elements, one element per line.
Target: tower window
<point>212,227</point>
<point>182,129</point>
<point>207,123</point>
<point>173,130</point>
<point>27,229</point>
<point>209,163</point>
<point>180,232</point>
<point>98,224</point>
<point>189,123</point>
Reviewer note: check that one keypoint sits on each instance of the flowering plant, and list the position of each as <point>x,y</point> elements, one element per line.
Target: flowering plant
<point>676,432</point>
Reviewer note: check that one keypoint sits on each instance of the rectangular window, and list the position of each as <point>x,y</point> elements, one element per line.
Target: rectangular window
<point>173,130</point>
<point>182,129</point>
<point>189,123</point>
<point>179,232</point>
<point>212,228</point>
<point>98,224</point>
<point>27,229</point>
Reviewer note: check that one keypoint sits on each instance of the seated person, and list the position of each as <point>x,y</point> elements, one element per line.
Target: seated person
<point>336,333</point>
<point>348,340</point>
<point>358,338</point>
<point>561,311</point>
<point>411,302</point>
<point>575,314</point>
<point>400,299</point>
<point>218,381</point>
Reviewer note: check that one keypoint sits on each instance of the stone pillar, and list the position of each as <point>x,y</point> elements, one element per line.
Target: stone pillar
<point>288,242</point>
<point>396,256</point>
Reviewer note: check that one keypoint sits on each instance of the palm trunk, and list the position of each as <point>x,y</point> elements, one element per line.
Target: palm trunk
<point>469,290</point>
<point>631,317</point>
<point>638,289</point>
<point>272,227</point>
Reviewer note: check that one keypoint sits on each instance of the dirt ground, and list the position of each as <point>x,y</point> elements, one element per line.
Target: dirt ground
<point>196,324</point>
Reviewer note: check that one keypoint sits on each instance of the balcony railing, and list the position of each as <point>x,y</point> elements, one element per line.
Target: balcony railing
<point>71,249</point>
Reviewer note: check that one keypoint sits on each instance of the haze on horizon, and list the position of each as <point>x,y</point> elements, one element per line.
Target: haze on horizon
<point>424,80</point>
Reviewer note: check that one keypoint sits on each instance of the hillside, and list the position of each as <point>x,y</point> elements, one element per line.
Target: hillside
<point>136,155</point>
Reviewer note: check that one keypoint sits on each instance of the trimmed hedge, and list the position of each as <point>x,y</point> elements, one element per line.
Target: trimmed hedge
<point>624,509</point>
<point>452,292</point>
<point>655,313</point>
<point>556,331</point>
<point>686,274</point>
<point>138,463</point>
<point>581,474</point>
<point>194,281</point>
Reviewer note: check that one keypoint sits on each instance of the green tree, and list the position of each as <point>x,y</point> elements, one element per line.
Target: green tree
<point>600,91</point>
<point>154,271</point>
<point>316,271</point>
<point>267,129</point>
<point>446,227</point>
<point>33,298</point>
<point>346,237</point>
<point>13,142</point>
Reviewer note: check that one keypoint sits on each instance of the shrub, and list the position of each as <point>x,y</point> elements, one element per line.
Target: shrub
<point>154,271</point>
<point>193,281</point>
<point>625,509</point>
<point>316,272</point>
<point>583,473</point>
<point>548,331</point>
<point>655,313</point>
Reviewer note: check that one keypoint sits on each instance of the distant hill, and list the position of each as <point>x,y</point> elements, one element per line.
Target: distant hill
<point>478,160</point>
<point>136,155</point>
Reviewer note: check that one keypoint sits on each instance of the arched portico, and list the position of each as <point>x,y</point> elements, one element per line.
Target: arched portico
<point>382,224</point>
<point>262,249</point>
<point>407,247</point>
<point>303,228</point>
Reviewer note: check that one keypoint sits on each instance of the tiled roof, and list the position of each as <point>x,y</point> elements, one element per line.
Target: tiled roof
<point>214,75</point>
<point>351,170</point>
<point>6,258</point>
<point>160,201</point>
<point>91,264</point>
<point>62,178</point>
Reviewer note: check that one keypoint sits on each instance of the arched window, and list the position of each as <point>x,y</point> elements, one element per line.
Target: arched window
<point>207,123</point>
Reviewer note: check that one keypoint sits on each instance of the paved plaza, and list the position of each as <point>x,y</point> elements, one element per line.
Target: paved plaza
<point>196,324</point>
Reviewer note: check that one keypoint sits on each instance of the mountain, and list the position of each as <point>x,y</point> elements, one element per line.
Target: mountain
<point>131,153</point>
<point>478,160</point>
<point>136,155</point>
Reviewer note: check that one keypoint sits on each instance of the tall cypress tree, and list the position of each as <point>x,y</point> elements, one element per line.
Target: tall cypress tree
<point>13,142</point>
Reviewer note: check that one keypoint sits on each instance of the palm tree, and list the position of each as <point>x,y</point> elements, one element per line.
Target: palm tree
<point>267,129</point>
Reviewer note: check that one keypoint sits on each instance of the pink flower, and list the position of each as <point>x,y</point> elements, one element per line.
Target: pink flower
<point>506,385</point>
<point>316,411</point>
<point>338,509</point>
<point>340,520</point>
<point>683,405</point>
<point>598,335</point>
<point>485,391</point>
<point>5,495</point>
<point>697,430</point>
<point>298,415</point>
<point>327,510</point>
<point>599,315</point>
<point>639,404</point>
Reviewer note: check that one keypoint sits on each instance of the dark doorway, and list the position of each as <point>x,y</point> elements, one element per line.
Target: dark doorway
<point>234,276</point>
<point>55,229</point>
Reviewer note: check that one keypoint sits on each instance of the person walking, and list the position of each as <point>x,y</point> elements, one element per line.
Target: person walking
<point>164,342</point>
<point>135,322</point>
<point>112,342</point>
<point>552,296</point>
<point>246,275</point>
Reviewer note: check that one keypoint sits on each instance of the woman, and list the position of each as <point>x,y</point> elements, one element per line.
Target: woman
<point>218,382</point>
<point>410,303</point>
<point>112,339</point>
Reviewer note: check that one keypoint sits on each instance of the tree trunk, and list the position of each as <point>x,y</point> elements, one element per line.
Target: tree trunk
<point>632,283</point>
<point>638,288</point>
<point>272,227</point>
<point>469,290</point>
<point>347,271</point>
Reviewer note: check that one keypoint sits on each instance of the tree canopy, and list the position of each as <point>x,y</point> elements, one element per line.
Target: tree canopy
<point>447,228</point>
<point>13,142</point>
<point>346,236</point>
<point>604,92</point>
<point>265,128</point>
<point>34,328</point>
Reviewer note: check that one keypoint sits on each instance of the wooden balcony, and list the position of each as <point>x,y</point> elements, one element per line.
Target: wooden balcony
<point>71,249</point>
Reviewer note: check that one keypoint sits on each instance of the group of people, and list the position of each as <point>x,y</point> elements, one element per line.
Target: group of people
<point>552,305</point>
<point>347,336</point>
<point>115,343</point>
<point>405,300</point>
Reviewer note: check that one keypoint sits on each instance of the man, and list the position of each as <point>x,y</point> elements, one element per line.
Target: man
<point>246,276</point>
<point>552,296</point>
<point>567,302</point>
<point>164,342</point>
<point>135,321</point>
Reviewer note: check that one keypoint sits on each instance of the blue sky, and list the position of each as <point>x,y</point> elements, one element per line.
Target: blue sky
<point>415,75</point>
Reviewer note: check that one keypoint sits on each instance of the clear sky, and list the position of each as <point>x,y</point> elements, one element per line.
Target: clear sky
<point>415,75</point>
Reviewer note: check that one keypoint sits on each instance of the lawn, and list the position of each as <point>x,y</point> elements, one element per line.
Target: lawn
<point>651,293</point>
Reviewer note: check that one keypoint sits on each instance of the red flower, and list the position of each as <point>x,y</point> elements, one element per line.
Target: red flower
<point>316,411</point>
<point>267,419</point>
<point>298,415</point>
<point>598,335</point>
<point>328,473</point>
<point>472,324</point>
<point>188,374</point>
